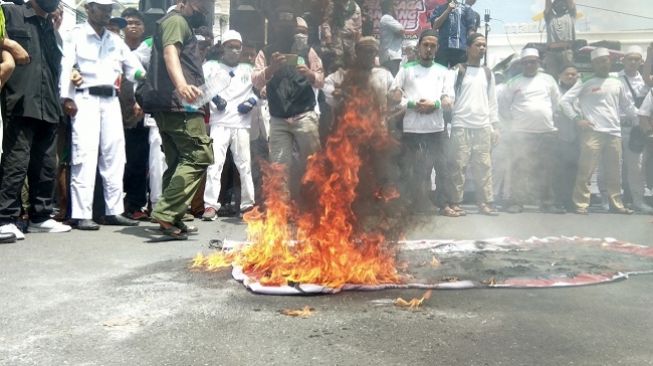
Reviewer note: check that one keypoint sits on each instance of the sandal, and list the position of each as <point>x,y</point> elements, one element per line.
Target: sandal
<point>459,210</point>
<point>449,212</point>
<point>175,233</point>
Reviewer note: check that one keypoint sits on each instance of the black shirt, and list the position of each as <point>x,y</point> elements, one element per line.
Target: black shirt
<point>33,89</point>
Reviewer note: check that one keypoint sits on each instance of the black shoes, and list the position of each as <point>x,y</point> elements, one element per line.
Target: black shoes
<point>6,238</point>
<point>86,224</point>
<point>119,220</point>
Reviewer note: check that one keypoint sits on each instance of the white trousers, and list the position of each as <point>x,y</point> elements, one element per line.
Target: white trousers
<point>157,165</point>
<point>237,140</point>
<point>98,141</point>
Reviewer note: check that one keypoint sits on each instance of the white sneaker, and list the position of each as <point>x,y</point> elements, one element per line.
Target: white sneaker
<point>48,226</point>
<point>11,228</point>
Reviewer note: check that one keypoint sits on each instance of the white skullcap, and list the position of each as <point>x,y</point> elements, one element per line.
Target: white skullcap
<point>600,52</point>
<point>231,35</point>
<point>301,22</point>
<point>530,52</point>
<point>634,50</point>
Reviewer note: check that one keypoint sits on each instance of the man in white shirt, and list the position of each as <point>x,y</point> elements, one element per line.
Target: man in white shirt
<point>528,103</point>
<point>392,37</point>
<point>474,128</point>
<point>426,89</point>
<point>636,90</point>
<point>646,124</point>
<point>600,100</point>
<point>97,134</point>
<point>230,121</point>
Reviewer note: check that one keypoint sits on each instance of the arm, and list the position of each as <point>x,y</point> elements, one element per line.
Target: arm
<point>316,75</point>
<point>6,67</point>
<point>627,105</point>
<point>396,27</point>
<point>645,112</point>
<point>568,100</point>
<point>17,51</point>
<point>173,66</point>
<point>263,72</point>
<point>505,100</point>
<point>646,69</point>
<point>132,67</point>
<point>492,103</point>
<point>571,5</point>
<point>444,14</point>
<point>548,6</point>
<point>397,94</point>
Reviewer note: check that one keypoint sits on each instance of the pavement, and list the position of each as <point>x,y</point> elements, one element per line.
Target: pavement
<point>109,298</point>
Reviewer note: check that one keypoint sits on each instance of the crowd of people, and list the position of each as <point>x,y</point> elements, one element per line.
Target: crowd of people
<point>108,129</point>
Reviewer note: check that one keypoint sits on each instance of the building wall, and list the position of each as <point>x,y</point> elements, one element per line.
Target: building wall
<point>221,18</point>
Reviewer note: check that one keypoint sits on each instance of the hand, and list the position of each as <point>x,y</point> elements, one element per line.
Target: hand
<point>18,52</point>
<point>447,103</point>
<point>76,78</point>
<point>585,124</point>
<point>395,96</point>
<point>425,106</point>
<point>495,136</point>
<point>69,107</point>
<point>138,111</point>
<point>246,106</point>
<point>189,92</point>
<point>306,72</point>
<point>452,5</point>
<point>220,103</point>
<point>277,61</point>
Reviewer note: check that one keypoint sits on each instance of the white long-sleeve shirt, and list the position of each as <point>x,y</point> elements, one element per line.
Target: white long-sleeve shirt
<point>600,102</point>
<point>101,60</point>
<point>476,103</point>
<point>238,89</point>
<point>528,102</point>
<point>419,82</point>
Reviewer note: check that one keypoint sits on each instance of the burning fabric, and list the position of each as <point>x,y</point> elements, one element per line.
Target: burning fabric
<point>492,263</point>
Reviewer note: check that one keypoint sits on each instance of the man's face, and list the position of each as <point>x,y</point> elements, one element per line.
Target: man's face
<point>601,66</point>
<point>428,48</point>
<point>477,49</point>
<point>57,18</point>
<point>569,76</point>
<point>530,66</point>
<point>135,28</point>
<point>99,14</point>
<point>632,62</point>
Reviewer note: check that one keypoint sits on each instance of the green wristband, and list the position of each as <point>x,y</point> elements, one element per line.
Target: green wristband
<point>437,104</point>
<point>411,104</point>
<point>139,74</point>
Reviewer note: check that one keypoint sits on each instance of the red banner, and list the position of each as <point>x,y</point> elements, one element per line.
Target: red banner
<point>413,14</point>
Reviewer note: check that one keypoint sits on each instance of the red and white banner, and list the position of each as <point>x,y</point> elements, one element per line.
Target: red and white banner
<point>413,14</point>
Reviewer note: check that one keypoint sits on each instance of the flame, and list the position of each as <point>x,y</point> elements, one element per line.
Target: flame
<point>324,244</point>
<point>300,313</point>
<point>414,303</point>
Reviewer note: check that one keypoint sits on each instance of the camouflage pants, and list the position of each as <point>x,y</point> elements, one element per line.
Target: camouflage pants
<point>471,146</point>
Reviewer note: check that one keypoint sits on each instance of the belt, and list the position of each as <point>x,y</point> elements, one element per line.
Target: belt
<point>100,91</point>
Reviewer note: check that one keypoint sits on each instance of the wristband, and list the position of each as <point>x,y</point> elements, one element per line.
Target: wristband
<point>411,104</point>
<point>437,104</point>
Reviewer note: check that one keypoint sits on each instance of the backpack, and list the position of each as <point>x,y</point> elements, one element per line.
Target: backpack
<point>462,70</point>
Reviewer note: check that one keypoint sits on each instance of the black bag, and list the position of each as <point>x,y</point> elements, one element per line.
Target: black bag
<point>638,140</point>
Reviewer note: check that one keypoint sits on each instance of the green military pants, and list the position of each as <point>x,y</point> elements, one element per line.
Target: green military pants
<point>189,152</point>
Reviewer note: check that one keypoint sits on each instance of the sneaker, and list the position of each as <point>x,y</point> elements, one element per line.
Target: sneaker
<point>210,214</point>
<point>11,228</point>
<point>48,226</point>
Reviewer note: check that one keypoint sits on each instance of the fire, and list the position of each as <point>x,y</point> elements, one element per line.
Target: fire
<point>414,303</point>
<point>326,244</point>
<point>305,312</point>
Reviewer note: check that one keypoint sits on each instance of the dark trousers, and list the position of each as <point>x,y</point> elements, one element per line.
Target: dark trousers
<point>421,153</point>
<point>137,149</point>
<point>449,57</point>
<point>566,156</point>
<point>29,150</point>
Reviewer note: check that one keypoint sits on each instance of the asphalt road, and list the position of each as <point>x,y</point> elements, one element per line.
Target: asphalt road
<point>108,298</point>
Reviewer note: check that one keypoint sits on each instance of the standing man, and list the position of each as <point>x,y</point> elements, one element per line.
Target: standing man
<point>98,140</point>
<point>30,102</point>
<point>559,16</point>
<point>454,24</point>
<point>474,128</point>
<point>290,91</point>
<point>392,37</point>
<point>137,146</point>
<point>636,90</point>
<point>174,77</point>
<point>528,102</point>
<point>600,98</point>
<point>426,89</point>
<point>231,119</point>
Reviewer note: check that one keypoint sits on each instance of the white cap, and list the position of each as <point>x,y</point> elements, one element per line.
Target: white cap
<point>530,52</point>
<point>231,35</point>
<point>301,22</point>
<point>101,2</point>
<point>600,52</point>
<point>637,50</point>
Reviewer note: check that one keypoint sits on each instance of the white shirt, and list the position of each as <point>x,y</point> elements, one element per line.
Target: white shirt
<point>380,80</point>
<point>600,102</point>
<point>646,110</point>
<point>529,103</point>
<point>238,89</point>
<point>637,83</point>
<point>419,82</point>
<point>476,103</point>
<point>390,38</point>
<point>101,60</point>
